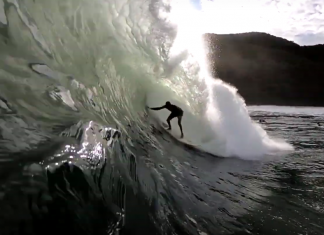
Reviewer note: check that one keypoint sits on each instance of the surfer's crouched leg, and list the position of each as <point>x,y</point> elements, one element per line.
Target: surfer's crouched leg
<point>179,123</point>
<point>168,121</point>
<point>171,116</point>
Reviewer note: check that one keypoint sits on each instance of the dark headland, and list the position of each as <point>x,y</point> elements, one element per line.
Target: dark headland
<point>268,70</point>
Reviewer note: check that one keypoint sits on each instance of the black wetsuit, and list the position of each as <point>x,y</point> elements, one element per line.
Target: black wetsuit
<point>175,112</point>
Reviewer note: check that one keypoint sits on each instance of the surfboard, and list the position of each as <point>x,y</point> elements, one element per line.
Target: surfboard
<point>182,140</point>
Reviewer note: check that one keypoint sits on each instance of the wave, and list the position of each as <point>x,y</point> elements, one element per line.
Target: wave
<point>106,60</point>
<point>78,150</point>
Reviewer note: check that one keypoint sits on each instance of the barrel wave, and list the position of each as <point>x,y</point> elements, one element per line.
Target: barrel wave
<point>76,77</point>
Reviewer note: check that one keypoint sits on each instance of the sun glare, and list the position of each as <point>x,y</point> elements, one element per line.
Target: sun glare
<point>193,18</point>
<point>187,20</point>
<point>189,25</point>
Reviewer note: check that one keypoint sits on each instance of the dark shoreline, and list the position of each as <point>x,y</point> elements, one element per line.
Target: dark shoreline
<point>268,70</point>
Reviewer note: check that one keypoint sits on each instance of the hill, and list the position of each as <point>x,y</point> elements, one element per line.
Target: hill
<point>267,69</point>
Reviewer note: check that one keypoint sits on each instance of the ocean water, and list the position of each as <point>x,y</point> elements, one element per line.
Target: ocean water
<point>80,153</point>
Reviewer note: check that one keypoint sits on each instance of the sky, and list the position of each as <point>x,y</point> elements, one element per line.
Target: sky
<point>301,21</point>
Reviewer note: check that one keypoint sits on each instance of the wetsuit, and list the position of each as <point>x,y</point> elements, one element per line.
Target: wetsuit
<point>175,112</point>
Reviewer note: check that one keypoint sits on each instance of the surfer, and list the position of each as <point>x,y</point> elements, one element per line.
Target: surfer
<point>175,112</point>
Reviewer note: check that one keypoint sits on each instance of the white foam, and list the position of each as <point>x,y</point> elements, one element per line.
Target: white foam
<point>241,135</point>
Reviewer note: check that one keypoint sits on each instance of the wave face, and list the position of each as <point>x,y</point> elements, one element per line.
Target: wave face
<point>74,73</point>
<point>107,59</point>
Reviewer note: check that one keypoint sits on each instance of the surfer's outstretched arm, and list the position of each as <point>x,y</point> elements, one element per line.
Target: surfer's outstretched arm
<point>158,108</point>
